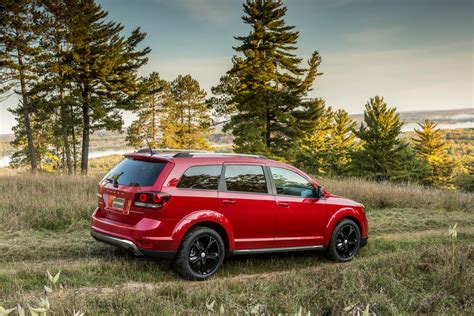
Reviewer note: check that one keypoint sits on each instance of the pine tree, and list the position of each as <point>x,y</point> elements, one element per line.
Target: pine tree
<point>42,124</point>
<point>327,149</point>
<point>18,59</point>
<point>342,142</point>
<point>55,50</point>
<point>263,92</point>
<point>429,146</point>
<point>382,147</point>
<point>314,149</point>
<point>151,112</point>
<point>187,121</point>
<point>104,68</point>
<point>465,181</point>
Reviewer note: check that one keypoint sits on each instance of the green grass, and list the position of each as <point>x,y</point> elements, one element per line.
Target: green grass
<point>406,268</point>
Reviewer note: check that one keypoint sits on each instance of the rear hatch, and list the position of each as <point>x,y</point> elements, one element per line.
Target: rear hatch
<point>120,189</point>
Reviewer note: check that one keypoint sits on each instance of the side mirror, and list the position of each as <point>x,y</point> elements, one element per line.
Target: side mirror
<point>318,192</point>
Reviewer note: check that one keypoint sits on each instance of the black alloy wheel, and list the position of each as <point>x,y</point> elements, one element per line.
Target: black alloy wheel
<point>201,254</point>
<point>204,255</point>
<point>345,241</point>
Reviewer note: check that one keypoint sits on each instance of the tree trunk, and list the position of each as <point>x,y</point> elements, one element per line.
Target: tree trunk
<point>65,132</point>
<point>85,130</point>
<point>64,119</point>
<point>189,127</point>
<point>153,118</point>
<point>26,115</point>
<point>267,129</point>
<point>73,134</point>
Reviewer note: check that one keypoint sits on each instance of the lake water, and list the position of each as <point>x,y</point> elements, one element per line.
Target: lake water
<point>411,126</point>
<point>5,160</point>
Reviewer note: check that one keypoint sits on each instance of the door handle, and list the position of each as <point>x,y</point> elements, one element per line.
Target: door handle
<point>228,202</point>
<point>284,204</point>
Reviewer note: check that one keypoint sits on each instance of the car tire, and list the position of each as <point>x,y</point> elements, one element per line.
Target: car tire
<point>201,254</point>
<point>345,241</point>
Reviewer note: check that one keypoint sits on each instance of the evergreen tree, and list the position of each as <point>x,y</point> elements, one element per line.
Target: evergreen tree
<point>327,149</point>
<point>314,149</point>
<point>429,146</point>
<point>342,142</point>
<point>42,126</point>
<point>150,113</point>
<point>187,121</point>
<point>382,148</point>
<point>55,50</point>
<point>263,92</point>
<point>18,58</point>
<point>465,180</point>
<point>104,68</point>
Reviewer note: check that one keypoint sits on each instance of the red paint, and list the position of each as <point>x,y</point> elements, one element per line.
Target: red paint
<point>249,220</point>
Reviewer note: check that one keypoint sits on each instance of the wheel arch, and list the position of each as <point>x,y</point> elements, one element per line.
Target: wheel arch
<point>337,217</point>
<point>206,218</point>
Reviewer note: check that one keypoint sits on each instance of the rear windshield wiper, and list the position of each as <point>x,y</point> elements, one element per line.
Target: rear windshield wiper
<point>111,180</point>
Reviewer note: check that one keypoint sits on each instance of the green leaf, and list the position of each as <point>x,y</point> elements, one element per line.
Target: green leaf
<point>20,310</point>
<point>50,277</point>
<point>366,310</point>
<point>210,306</point>
<point>56,277</point>
<point>5,312</point>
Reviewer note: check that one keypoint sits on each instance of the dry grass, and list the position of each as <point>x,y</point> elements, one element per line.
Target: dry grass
<point>46,201</point>
<point>379,195</point>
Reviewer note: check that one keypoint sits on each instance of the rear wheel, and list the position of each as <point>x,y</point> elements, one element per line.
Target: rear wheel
<point>345,241</point>
<point>201,254</point>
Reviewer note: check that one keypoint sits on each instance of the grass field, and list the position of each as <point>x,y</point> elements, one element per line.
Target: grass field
<point>410,265</point>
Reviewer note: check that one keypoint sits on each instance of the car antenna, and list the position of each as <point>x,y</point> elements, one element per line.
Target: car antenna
<point>149,147</point>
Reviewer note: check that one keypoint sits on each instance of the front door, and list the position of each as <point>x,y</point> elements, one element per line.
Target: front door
<point>301,217</point>
<point>245,199</point>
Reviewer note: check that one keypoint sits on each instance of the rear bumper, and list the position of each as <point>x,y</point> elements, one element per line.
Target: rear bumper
<point>129,245</point>
<point>364,241</point>
<point>147,237</point>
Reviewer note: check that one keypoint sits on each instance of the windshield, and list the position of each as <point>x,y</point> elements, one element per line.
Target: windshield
<point>133,172</point>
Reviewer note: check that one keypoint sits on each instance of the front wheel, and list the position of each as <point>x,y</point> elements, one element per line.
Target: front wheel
<point>345,241</point>
<point>201,254</point>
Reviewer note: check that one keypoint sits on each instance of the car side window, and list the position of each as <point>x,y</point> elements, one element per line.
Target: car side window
<point>201,177</point>
<point>245,178</point>
<point>288,182</point>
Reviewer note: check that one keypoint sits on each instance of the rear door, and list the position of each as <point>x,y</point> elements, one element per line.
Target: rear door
<point>245,199</point>
<point>301,216</point>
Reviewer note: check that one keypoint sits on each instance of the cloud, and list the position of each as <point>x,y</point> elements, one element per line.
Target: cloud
<point>207,70</point>
<point>426,78</point>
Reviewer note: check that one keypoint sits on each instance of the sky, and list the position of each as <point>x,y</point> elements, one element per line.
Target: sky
<point>417,54</point>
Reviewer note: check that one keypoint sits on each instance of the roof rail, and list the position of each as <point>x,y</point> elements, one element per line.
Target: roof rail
<point>169,150</point>
<point>210,154</point>
<point>183,153</point>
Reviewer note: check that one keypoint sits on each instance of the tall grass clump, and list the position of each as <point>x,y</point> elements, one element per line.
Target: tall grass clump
<point>377,195</point>
<point>46,201</point>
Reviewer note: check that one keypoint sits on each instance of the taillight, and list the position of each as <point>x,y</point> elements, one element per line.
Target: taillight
<point>153,200</point>
<point>100,199</point>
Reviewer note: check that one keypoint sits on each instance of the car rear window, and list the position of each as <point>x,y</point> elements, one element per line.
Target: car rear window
<point>201,177</point>
<point>133,172</point>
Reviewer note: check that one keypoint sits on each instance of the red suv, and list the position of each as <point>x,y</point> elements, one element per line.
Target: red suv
<point>201,207</point>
